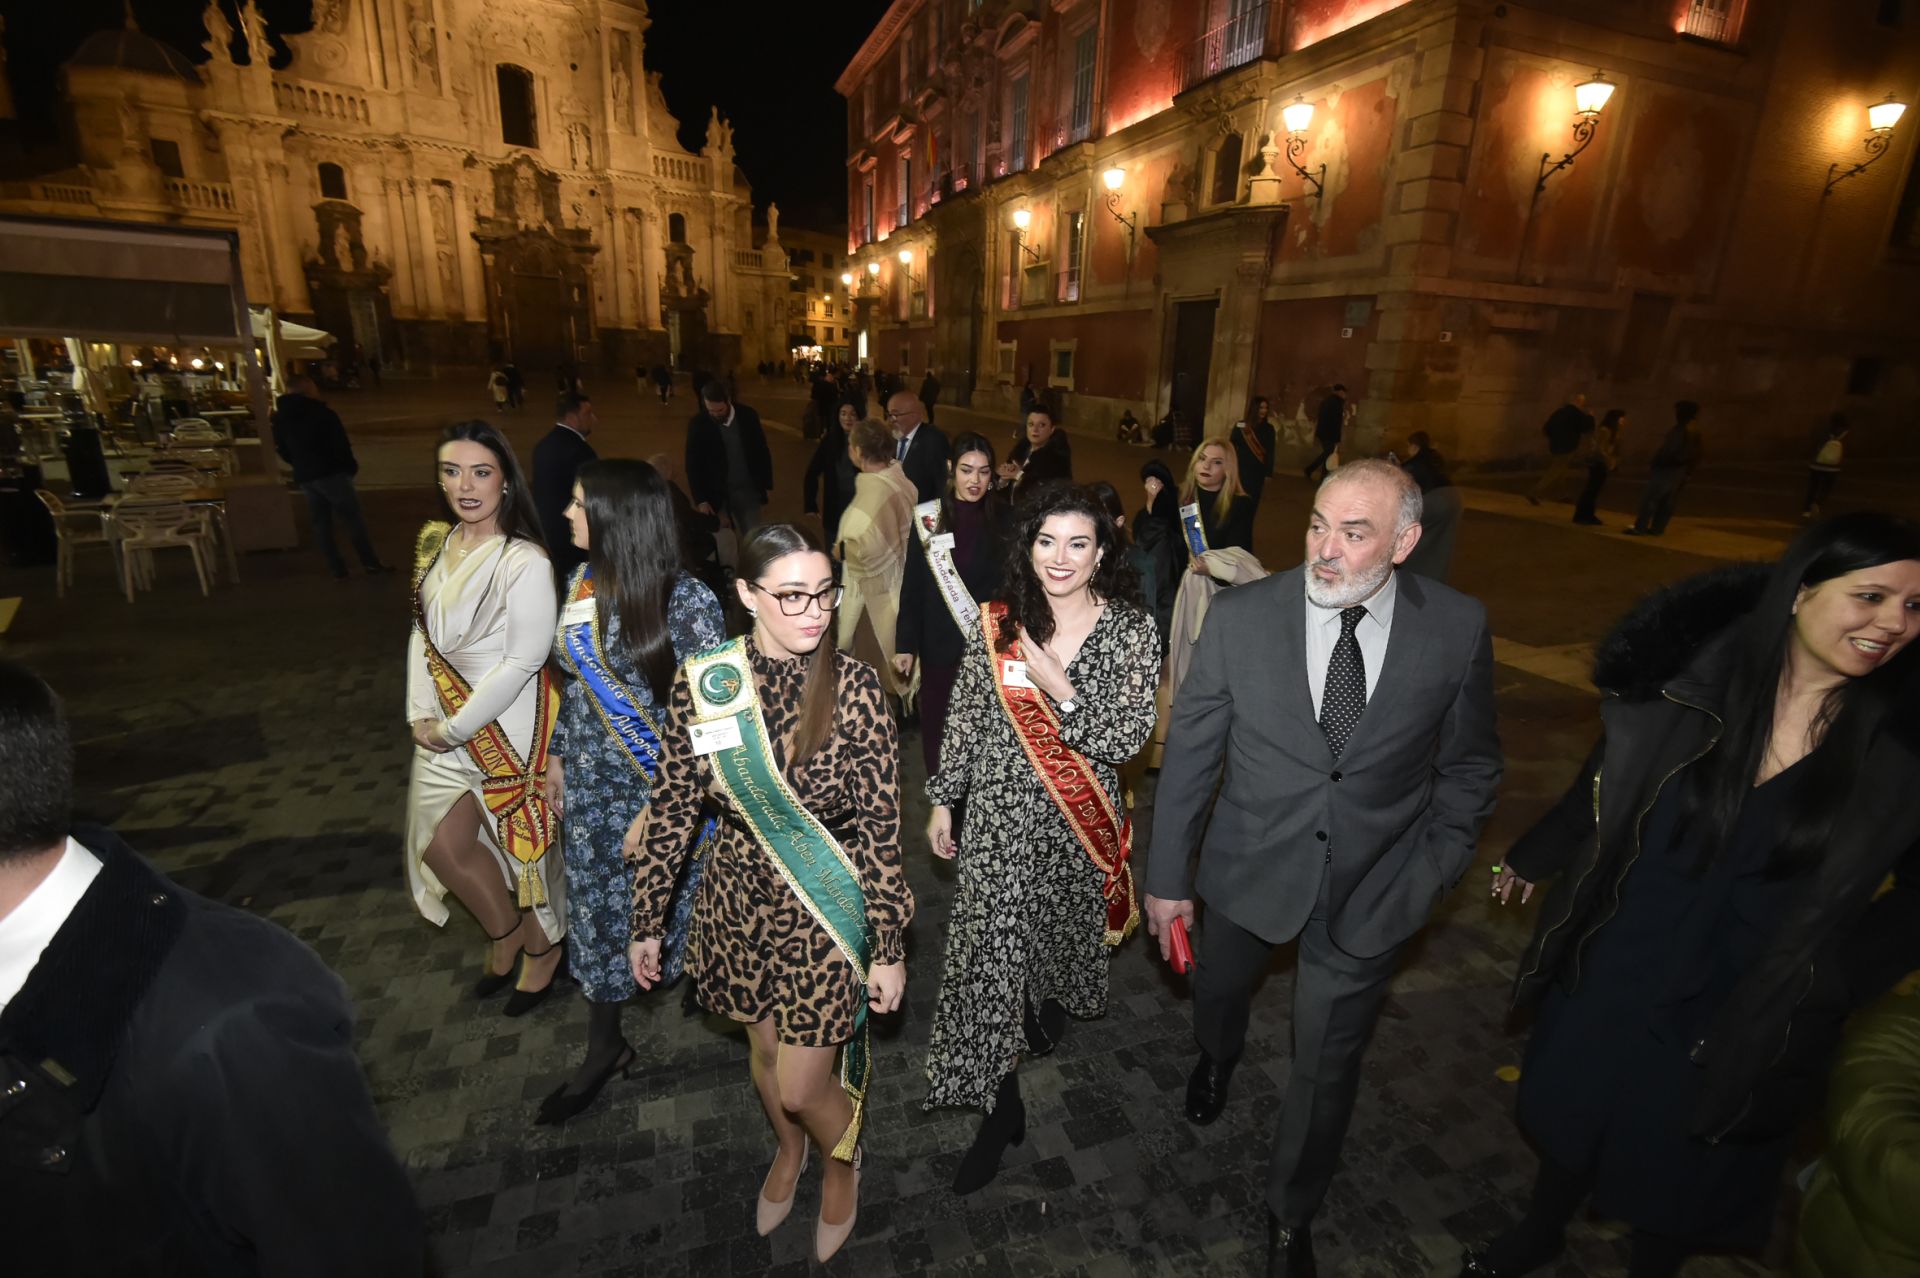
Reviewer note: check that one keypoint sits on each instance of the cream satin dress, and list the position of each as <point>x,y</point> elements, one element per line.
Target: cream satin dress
<point>492,617</point>
<point>873,545</point>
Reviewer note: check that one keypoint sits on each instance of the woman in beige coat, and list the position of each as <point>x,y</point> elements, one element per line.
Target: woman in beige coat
<point>872,546</point>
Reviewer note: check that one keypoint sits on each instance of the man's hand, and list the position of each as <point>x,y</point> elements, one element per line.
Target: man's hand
<point>1160,917</point>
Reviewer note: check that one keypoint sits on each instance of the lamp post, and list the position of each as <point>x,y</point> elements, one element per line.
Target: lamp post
<point>1022,219</point>
<point>1589,99</point>
<point>1297,115</point>
<point>1882,116</point>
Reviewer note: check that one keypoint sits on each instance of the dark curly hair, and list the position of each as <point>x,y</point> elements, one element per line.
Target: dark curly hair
<point>1114,579</point>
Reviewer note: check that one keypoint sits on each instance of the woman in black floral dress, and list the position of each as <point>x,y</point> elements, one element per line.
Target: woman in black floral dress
<point>629,618</point>
<point>1035,916</point>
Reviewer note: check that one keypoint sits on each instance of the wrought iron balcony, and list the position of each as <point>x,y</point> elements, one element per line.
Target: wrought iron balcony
<point>1234,43</point>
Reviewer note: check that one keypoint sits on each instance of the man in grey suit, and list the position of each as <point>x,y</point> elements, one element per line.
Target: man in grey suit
<point>1352,707</point>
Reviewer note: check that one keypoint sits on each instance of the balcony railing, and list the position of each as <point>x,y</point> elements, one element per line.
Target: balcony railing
<point>322,102</point>
<point>1234,43</point>
<point>680,169</point>
<point>210,197</point>
<point>1715,20</point>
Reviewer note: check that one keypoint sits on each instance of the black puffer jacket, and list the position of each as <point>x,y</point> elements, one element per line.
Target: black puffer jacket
<point>1663,676</point>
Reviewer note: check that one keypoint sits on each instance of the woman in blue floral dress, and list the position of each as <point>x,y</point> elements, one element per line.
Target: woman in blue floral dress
<point>629,617</point>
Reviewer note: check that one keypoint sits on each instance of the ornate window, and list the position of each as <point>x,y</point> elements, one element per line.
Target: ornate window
<point>1225,186</point>
<point>333,182</point>
<point>519,125</point>
<point>676,228</point>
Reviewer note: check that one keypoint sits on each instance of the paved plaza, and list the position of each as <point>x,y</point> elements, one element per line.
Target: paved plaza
<point>254,745</point>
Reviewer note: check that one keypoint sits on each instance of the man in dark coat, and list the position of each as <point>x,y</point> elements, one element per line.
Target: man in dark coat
<point>1566,427</point>
<point>929,394</point>
<point>1352,708</point>
<point>1329,422</point>
<point>516,385</point>
<point>178,1087</point>
<point>918,445</point>
<point>557,460</point>
<point>729,468</point>
<point>310,437</point>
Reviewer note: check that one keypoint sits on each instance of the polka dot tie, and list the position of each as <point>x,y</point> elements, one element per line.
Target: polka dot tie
<point>1345,695</point>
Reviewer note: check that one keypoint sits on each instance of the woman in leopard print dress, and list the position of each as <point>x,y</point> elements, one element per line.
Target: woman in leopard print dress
<point>755,951</point>
<point>1028,940</point>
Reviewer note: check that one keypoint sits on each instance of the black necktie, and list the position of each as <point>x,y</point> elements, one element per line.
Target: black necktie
<point>1345,695</point>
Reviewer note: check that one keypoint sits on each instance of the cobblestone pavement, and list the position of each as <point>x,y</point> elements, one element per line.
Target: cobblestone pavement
<point>252,744</point>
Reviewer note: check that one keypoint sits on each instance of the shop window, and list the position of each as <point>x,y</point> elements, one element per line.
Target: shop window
<point>333,182</point>
<point>518,125</point>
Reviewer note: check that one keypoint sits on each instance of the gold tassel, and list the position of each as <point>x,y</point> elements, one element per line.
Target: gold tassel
<point>533,892</point>
<point>850,1139</point>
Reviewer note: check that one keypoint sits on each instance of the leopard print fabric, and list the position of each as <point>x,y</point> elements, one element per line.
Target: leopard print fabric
<point>754,950</point>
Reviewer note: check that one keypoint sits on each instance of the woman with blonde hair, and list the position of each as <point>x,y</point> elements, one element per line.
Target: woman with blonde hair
<point>873,545</point>
<point>1213,503</point>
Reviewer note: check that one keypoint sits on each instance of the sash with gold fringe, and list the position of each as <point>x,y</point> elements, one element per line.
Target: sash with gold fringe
<point>938,547</point>
<point>1103,830</point>
<point>805,852</point>
<point>511,789</point>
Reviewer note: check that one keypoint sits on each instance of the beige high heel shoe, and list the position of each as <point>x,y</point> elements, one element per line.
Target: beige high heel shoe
<point>769,1214</point>
<point>828,1239</point>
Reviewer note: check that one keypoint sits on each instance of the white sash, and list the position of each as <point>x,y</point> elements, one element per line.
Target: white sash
<point>939,550</point>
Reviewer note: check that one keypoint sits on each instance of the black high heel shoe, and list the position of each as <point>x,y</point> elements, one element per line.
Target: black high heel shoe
<point>561,1104</point>
<point>1006,1125</point>
<point>493,982</point>
<point>520,1002</point>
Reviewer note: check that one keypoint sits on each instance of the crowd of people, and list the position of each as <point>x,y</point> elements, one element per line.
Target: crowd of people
<point>659,738</point>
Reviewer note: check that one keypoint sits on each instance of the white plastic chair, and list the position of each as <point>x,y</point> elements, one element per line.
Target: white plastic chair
<point>141,528</point>
<point>75,530</point>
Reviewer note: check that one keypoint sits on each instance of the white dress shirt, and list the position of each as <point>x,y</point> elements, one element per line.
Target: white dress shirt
<point>26,933</point>
<point>902,444</point>
<point>1323,631</point>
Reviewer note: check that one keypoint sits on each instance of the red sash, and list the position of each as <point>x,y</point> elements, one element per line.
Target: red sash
<point>1105,833</point>
<point>512,790</point>
<point>1254,446</point>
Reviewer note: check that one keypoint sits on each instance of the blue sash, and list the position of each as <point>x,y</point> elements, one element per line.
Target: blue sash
<point>1195,530</point>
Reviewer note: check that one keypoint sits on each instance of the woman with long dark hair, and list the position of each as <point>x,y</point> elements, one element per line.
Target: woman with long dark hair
<point>1714,917</point>
<point>1040,456</point>
<point>953,567</point>
<point>799,924</point>
<point>482,706</point>
<point>1159,546</point>
<point>630,616</point>
<point>831,475</point>
<point>1055,693</point>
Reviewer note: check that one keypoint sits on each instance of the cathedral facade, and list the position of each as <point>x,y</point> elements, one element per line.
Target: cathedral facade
<point>442,183</point>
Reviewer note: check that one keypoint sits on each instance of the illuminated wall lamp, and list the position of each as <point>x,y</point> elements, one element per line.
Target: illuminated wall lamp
<point>1297,115</point>
<point>1589,100</point>
<point>1881,117</point>
<point>1113,179</point>
<point>906,266</point>
<point>1022,219</point>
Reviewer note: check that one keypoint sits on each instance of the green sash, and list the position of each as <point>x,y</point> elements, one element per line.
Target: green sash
<point>808,857</point>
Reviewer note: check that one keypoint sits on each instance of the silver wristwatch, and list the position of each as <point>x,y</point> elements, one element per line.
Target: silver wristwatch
<point>1069,705</point>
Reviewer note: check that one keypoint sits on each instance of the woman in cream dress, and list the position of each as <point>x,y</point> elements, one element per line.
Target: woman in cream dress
<point>485,599</point>
<point>873,545</point>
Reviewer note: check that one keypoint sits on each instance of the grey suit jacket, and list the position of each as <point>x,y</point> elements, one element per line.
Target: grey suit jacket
<point>1393,822</point>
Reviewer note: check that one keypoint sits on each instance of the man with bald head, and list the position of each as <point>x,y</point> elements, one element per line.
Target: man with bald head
<point>1345,712</point>
<point>918,445</point>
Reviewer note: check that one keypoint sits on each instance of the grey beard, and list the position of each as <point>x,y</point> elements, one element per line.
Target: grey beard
<point>1348,593</point>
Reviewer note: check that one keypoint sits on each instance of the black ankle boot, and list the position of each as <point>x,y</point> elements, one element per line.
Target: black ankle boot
<point>1043,1030</point>
<point>1006,1125</point>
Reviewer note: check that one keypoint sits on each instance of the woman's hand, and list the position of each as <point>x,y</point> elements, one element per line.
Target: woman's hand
<point>1045,669</point>
<point>1199,566</point>
<point>1504,881</point>
<point>886,986</point>
<point>636,833</point>
<point>940,833</point>
<point>1154,488</point>
<point>644,958</point>
<point>555,787</point>
<point>903,664</point>
<point>1008,471</point>
<point>426,735</point>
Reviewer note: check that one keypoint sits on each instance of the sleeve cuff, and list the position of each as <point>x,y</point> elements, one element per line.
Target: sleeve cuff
<point>889,947</point>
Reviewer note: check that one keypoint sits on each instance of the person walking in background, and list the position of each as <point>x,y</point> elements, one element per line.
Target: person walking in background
<point>1432,555</point>
<point>1159,545</point>
<point>497,386</point>
<point>481,705</point>
<point>663,382</point>
<point>373,367</point>
<point>182,1094</point>
<point>1353,707</point>
<point>1055,694</point>
<point>516,386</point>
<point>1676,460</point>
<point>929,396</point>
<point>918,445</point>
<point>1565,427</point>
<point>1719,905</point>
<point>631,614</point>
<point>1824,470</point>
<point>557,460</point>
<point>310,437</point>
<point>1603,456</point>
<point>1329,424</point>
<point>872,544</point>
<point>1041,456</point>
<point>729,468</point>
<point>831,473</point>
<point>804,896</point>
<point>1254,446</point>
<point>953,566</point>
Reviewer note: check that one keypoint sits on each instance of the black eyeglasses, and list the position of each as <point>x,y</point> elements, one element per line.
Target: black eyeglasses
<point>793,603</point>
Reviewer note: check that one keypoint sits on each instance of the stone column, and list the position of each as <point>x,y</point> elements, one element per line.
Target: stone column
<point>473,299</point>
<point>405,283</point>
<point>290,292</point>
<point>652,265</point>
<point>429,255</point>
<point>1237,327</point>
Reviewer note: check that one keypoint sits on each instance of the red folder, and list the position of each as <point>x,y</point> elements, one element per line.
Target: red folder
<point>1181,950</point>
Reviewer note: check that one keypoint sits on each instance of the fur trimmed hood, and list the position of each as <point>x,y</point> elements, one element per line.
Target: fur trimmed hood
<point>1663,634</point>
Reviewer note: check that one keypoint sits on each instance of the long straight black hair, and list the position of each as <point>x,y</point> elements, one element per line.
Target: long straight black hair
<point>633,547</point>
<point>818,702</point>
<point>1846,722</point>
<point>518,516</point>
<point>964,443</point>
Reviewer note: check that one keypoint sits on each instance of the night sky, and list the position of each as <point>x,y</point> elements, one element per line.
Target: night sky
<point>770,69</point>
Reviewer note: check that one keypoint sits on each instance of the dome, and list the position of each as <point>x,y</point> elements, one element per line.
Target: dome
<point>125,49</point>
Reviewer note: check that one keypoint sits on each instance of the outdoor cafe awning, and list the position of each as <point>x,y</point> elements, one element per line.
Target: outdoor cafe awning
<point>120,282</point>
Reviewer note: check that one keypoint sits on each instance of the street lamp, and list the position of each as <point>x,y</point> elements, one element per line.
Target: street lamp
<point>1113,179</point>
<point>1022,219</point>
<point>846,277</point>
<point>1589,100</point>
<point>906,265</point>
<point>1297,115</point>
<point>1881,117</point>
<point>873,268</point>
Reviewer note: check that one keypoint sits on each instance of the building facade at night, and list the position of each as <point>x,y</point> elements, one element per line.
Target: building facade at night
<point>1111,197</point>
<point>440,182</point>
<point>819,311</point>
